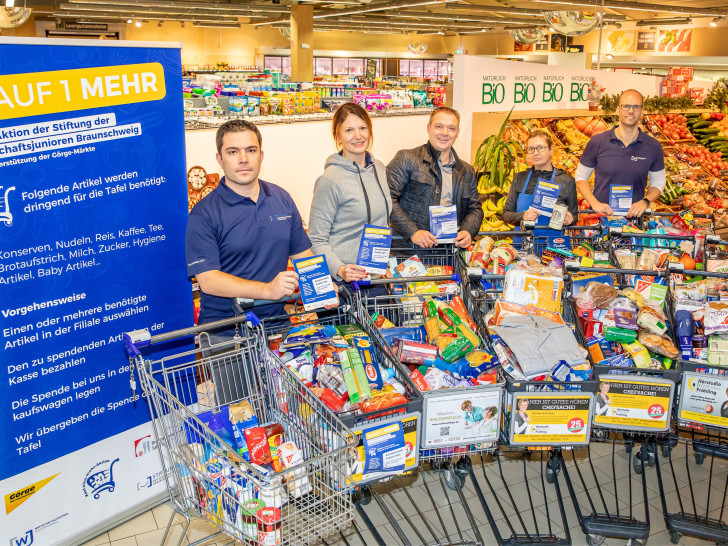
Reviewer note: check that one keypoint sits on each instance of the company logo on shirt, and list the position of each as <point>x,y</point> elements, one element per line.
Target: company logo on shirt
<point>280,217</point>
<point>637,158</point>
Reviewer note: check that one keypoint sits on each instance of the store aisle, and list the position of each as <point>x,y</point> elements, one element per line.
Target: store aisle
<point>148,528</point>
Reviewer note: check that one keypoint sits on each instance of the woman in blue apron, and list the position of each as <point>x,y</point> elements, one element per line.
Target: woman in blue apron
<point>534,192</point>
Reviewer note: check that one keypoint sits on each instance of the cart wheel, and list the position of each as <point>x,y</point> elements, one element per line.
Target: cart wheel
<point>633,542</point>
<point>666,450</point>
<point>628,447</point>
<point>675,537</point>
<point>451,475</point>
<point>463,465</point>
<point>637,464</point>
<point>650,459</point>
<point>600,435</point>
<point>594,540</point>
<point>363,496</point>
<point>437,464</point>
<point>699,458</point>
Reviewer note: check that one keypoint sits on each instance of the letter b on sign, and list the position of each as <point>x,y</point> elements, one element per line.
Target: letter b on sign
<point>553,92</point>
<point>578,92</point>
<point>493,94</point>
<point>524,93</point>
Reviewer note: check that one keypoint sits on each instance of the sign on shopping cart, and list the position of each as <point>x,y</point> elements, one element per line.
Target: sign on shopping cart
<point>461,417</point>
<point>384,448</point>
<point>550,419</point>
<point>633,402</point>
<point>704,399</point>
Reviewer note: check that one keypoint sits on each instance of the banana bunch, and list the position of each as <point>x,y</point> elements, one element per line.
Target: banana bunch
<point>494,224</point>
<point>491,209</point>
<point>491,220</point>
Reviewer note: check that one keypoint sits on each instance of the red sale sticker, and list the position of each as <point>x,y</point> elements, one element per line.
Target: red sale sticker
<point>576,425</point>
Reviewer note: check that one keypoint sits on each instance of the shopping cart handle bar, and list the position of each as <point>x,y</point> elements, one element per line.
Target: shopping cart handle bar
<point>679,268</point>
<point>248,303</point>
<point>504,233</point>
<point>573,268</point>
<point>134,340</point>
<point>358,285</point>
<point>193,330</point>
<point>570,228</point>
<point>669,236</point>
<point>476,273</point>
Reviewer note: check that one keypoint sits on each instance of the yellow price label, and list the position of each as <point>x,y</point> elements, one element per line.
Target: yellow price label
<point>587,262</point>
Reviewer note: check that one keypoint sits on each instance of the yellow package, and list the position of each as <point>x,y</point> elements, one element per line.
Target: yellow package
<point>638,352</point>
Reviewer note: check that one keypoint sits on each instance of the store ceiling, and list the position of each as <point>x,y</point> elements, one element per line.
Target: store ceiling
<point>384,16</point>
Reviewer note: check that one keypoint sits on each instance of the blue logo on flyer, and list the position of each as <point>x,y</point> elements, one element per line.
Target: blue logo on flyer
<point>5,215</point>
<point>25,540</point>
<point>100,478</point>
<point>154,479</point>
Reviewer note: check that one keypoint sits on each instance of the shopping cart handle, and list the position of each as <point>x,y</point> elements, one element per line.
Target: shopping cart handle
<point>356,285</point>
<point>134,340</point>
<point>476,274</point>
<point>715,240</point>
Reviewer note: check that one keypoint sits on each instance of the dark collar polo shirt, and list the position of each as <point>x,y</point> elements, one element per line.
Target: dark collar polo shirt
<point>251,240</point>
<point>617,164</point>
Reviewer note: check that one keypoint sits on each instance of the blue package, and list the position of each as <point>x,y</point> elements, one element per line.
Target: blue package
<point>472,365</point>
<point>562,242</point>
<point>369,360</point>
<point>444,223</point>
<point>413,333</point>
<point>315,283</point>
<point>623,361</point>
<point>242,416</point>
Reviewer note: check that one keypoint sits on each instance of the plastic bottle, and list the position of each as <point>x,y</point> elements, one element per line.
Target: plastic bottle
<point>216,425</point>
<point>685,328</point>
<point>332,378</point>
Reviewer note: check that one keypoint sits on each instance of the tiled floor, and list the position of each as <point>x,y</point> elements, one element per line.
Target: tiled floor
<point>425,510</point>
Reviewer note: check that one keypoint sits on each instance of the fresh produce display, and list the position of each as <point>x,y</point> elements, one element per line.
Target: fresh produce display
<point>674,127</point>
<point>694,144</point>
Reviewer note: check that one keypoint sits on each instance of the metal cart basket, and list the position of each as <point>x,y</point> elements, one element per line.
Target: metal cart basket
<point>206,476</point>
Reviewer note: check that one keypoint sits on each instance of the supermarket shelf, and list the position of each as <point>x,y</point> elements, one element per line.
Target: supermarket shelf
<point>192,123</point>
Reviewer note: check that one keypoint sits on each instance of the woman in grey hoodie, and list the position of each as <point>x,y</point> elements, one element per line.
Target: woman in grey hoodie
<point>351,192</point>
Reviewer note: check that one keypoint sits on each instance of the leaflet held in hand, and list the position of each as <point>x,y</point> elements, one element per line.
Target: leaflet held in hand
<point>545,197</point>
<point>444,223</point>
<point>620,199</point>
<point>314,281</point>
<point>374,249</point>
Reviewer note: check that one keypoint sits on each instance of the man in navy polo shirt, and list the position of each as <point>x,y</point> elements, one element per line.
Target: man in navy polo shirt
<point>623,156</point>
<point>240,237</point>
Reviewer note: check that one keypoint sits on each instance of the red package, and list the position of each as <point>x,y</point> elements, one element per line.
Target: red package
<point>419,380</point>
<point>258,446</point>
<point>327,396</point>
<point>274,433</point>
<point>487,378</point>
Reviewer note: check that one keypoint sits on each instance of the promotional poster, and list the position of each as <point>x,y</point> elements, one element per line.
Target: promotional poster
<point>633,402</point>
<point>550,419</point>
<point>704,399</point>
<point>471,417</point>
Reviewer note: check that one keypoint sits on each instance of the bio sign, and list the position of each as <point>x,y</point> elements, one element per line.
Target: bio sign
<point>535,90</point>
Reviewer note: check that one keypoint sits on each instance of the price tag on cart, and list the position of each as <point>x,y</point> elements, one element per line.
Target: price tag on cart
<point>550,419</point>
<point>467,416</point>
<point>314,281</point>
<point>620,199</point>
<point>444,223</point>
<point>704,399</point>
<point>374,249</point>
<point>633,402</point>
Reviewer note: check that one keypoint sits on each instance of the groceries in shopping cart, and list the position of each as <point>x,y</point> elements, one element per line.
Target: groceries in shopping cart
<point>412,266</point>
<point>490,255</point>
<point>701,320</point>
<point>530,283</point>
<point>624,328</point>
<point>340,366</point>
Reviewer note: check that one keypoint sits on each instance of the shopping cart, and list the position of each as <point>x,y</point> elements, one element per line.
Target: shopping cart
<point>620,239</point>
<point>694,483</point>
<point>345,314</point>
<point>439,443</point>
<point>206,477</point>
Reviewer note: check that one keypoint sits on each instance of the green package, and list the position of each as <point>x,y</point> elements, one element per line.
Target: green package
<point>349,331</point>
<point>355,377</point>
<point>456,350</point>
<point>619,335</point>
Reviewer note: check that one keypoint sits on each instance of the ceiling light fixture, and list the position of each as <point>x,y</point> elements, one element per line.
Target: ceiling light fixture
<point>552,29</point>
<point>716,20</point>
<point>138,23</point>
<point>636,6</point>
<point>610,56</point>
<point>662,22</point>
<point>129,21</point>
